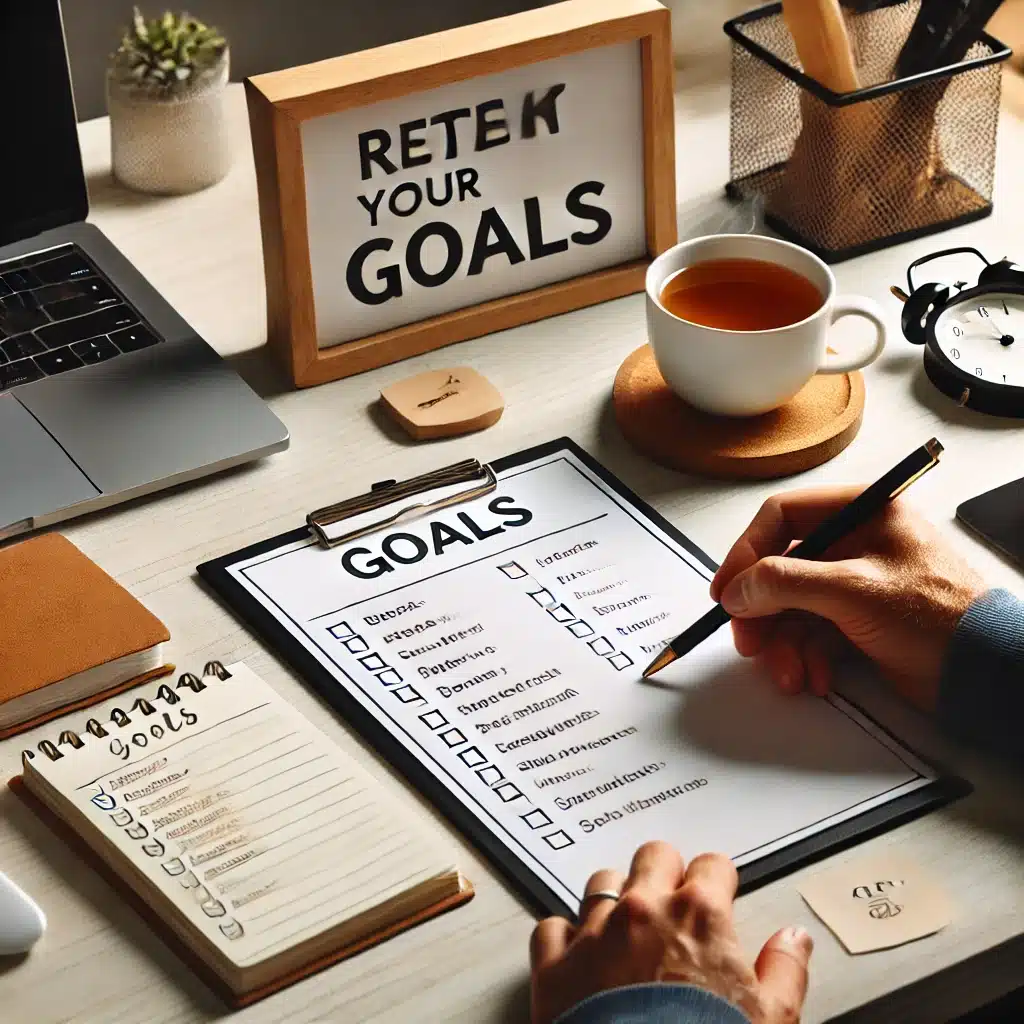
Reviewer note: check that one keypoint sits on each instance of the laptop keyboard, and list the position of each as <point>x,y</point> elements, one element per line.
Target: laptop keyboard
<point>58,312</point>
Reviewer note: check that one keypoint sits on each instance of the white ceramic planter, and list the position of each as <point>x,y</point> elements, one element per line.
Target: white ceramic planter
<point>169,146</point>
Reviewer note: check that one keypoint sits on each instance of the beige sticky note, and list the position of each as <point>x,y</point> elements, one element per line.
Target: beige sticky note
<point>441,403</point>
<point>878,902</point>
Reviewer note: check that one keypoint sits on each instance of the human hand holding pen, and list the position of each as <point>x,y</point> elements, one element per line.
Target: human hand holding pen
<point>893,589</point>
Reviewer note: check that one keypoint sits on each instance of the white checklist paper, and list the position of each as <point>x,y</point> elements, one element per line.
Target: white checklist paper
<point>501,642</point>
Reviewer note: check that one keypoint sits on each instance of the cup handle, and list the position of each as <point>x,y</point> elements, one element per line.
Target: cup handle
<point>856,305</point>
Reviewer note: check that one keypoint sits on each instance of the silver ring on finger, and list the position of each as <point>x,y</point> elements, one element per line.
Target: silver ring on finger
<point>601,894</point>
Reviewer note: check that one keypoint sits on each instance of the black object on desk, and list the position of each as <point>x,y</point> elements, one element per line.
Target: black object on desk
<point>971,336</point>
<point>943,33</point>
<point>997,517</point>
<point>864,507</point>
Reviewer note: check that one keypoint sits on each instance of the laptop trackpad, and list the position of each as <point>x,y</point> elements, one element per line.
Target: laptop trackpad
<point>36,476</point>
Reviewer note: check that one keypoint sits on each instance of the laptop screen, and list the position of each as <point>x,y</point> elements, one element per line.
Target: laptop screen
<point>41,180</point>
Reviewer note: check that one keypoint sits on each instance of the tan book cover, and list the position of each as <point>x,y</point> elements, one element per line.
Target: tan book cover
<point>62,616</point>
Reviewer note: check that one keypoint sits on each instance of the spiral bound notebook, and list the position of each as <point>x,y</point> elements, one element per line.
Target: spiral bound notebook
<point>255,840</point>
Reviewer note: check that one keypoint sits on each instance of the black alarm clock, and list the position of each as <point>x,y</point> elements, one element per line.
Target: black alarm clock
<point>973,337</point>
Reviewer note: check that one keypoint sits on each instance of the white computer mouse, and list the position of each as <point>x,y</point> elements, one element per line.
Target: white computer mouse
<point>22,922</point>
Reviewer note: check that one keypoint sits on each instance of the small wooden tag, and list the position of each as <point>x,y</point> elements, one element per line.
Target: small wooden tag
<point>878,902</point>
<point>443,403</point>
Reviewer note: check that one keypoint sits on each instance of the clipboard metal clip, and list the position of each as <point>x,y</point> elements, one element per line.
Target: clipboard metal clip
<point>329,524</point>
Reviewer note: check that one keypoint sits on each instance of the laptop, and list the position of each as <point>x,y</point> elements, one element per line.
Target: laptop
<point>105,392</point>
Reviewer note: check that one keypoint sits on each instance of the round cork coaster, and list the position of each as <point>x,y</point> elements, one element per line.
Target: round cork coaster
<point>813,427</point>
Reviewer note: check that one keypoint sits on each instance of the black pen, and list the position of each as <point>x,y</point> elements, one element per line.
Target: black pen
<point>865,506</point>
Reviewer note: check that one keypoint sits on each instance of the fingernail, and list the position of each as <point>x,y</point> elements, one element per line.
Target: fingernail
<point>797,938</point>
<point>734,601</point>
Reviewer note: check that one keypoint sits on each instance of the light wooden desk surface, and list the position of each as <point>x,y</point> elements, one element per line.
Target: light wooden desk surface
<point>100,963</point>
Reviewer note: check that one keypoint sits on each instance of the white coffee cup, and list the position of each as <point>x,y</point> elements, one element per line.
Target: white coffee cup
<point>746,373</point>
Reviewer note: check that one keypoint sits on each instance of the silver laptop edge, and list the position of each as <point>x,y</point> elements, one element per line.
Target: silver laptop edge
<point>132,424</point>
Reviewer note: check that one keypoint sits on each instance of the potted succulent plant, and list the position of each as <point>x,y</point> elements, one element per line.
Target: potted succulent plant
<point>165,97</point>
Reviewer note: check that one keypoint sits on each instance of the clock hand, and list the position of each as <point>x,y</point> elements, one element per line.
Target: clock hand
<point>1004,338</point>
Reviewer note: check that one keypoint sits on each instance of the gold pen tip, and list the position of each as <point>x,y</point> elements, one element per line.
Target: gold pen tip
<point>934,447</point>
<point>663,660</point>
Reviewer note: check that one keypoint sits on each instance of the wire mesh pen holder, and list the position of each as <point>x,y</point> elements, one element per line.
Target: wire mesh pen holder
<point>846,174</point>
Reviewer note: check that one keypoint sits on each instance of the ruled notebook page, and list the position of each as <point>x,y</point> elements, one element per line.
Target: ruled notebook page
<point>257,827</point>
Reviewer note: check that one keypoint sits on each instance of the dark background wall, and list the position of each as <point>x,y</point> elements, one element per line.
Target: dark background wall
<point>266,35</point>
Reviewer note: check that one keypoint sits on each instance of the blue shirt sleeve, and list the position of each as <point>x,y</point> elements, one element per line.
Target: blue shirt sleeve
<point>654,1004</point>
<point>981,692</point>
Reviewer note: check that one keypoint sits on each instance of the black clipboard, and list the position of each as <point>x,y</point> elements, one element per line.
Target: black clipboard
<point>854,830</point>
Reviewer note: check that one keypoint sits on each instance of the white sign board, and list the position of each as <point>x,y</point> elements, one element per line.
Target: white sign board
<point>458,184</point>
<point>483,188</point>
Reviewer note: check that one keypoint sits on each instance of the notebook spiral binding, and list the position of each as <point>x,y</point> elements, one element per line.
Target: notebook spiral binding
<point>121,718</point>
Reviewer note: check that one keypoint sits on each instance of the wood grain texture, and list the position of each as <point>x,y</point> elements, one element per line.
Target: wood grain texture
<point>813,427</point>
<point>272,227</point>
<point>281,184</point>
<point>486,48</point>
<point>281,100</point>
<point>100,963</point>
<point>659,138</point>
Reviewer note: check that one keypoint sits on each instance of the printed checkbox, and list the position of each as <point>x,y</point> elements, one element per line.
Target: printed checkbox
<point>580,628</point>
<point>374,662</point>
<point>452,738</point>
<point>407,694</point>
<point>490,776</point>
<point>513,570</point>
<point>602,645</point>
<point>433,720</point>
<point>561,614</point>
<point>341,631</point>
<point>559,840</point>
<point>389,677</point>
<point>621,661</point>
<point>536,818</point>
<point>356,645</point>
<point>472,758</point>
<point>507,792</point>
<point>543,597</point>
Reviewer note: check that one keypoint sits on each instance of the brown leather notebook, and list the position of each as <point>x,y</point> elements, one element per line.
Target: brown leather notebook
<point>259,850</point>
<point>71,634</point>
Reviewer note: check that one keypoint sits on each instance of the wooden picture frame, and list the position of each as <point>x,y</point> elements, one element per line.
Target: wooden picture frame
<point>280,104</point>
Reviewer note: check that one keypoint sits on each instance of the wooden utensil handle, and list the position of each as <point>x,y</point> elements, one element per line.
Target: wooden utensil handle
<point>822,43</point>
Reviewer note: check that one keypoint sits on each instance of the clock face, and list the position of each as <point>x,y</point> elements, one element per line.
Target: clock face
<point>984,337</point>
